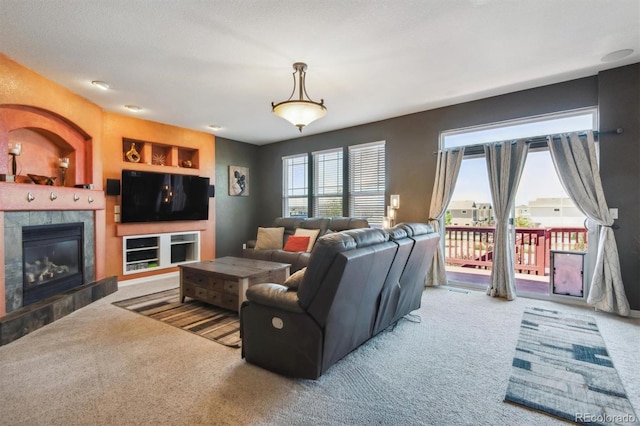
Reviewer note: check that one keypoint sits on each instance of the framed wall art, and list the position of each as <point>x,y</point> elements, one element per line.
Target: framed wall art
<point>238,181</point>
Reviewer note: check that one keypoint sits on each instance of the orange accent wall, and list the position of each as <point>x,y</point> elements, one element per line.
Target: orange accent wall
<point>102,158</point>
<point>22,86</point>
<point>117,127</point>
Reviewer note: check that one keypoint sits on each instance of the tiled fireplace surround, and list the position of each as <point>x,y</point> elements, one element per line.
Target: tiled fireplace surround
<point>13,224</point>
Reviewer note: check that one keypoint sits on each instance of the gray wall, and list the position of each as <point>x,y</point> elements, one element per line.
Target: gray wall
<point>411,141</point>
<point>619,106</point>
<point>235,216</point>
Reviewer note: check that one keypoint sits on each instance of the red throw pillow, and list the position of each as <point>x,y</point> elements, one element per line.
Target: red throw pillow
<point>296,243</point>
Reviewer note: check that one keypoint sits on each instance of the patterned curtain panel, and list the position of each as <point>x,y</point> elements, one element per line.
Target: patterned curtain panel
<point>505,162</point>
<point>447,171</point>
<point>576,164</point>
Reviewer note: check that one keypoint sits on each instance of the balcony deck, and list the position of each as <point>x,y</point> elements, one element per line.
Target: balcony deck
<point>469,255</point>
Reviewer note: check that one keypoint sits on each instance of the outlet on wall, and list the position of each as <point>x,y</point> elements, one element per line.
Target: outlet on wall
<point>116,218</point>
<point>614,213</point>
<point>116,209</point>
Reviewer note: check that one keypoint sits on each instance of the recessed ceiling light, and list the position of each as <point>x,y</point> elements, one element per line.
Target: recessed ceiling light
<point>133,108</point>
<point>214,127</point>
<point>101,84</point>
<point>617,55</point>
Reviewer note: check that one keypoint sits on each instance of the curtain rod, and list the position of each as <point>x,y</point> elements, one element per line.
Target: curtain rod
<point>534,141</point>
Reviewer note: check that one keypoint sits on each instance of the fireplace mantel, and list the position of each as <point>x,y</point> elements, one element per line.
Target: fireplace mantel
<point>21,197</point>
<point>17,196</point>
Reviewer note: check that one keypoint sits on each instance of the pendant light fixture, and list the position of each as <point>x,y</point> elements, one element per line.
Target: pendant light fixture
<point>301,111</point>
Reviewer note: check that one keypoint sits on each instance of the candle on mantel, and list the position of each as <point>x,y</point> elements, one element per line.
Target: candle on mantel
<point>63,163</point>
<point>15,148</point>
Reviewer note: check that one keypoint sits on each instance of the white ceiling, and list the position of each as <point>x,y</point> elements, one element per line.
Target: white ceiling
<point>192,63</point>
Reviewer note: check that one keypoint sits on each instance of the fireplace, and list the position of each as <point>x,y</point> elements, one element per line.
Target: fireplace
<point>52,260</point>
<point>77,226</point>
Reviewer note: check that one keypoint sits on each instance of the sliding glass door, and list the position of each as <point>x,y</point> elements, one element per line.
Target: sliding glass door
<point>553,247</point>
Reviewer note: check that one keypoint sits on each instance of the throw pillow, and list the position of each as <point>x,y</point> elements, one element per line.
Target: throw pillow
<point>269,238</point>
<point>296,243</point>
<point>311,233</point>
<point>294,281</point>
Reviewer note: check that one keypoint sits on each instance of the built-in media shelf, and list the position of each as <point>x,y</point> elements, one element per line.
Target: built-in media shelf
<point>158,154</point>
<point>143,253</point>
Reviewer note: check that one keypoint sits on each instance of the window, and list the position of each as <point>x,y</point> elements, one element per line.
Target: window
<point>295,190</point>
<point>327,183</point>
<point>566,122</point>
<point>367,181</point>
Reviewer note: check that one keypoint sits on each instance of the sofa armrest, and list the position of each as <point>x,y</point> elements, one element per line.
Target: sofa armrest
<point>275,296</point>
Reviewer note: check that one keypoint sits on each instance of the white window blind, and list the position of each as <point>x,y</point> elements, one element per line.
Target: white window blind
<point>295,189</point>
<point>367,181</point>
<point>327,183</point>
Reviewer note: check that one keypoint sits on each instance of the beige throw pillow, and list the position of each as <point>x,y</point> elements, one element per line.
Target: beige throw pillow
<point>294,281</point>
<point>270,238</point>
<point>311,233</point>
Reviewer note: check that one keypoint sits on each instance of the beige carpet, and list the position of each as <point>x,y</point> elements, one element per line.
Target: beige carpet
<point>104,365</point>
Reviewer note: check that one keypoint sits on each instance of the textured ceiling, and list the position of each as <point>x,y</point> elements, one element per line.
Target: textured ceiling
<point>192,63</point>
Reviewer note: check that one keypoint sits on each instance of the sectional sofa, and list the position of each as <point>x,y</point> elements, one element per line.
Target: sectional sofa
<point>357,283</point>
<point>300,259</point>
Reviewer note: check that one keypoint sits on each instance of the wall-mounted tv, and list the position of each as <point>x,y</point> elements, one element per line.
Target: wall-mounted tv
<point>159,197</point>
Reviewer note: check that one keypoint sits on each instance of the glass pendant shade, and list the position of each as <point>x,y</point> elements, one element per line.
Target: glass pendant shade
<point>299,113</point>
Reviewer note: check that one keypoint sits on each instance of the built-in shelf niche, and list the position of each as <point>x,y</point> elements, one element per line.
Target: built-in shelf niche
<point>143,253</point>
<point>159,154</point>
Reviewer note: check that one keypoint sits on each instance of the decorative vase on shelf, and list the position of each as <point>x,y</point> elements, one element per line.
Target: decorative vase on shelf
<point>133,155</point>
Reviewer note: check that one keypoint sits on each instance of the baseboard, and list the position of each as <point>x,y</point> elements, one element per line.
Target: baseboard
<point>466,286</point>
<point>149,278</point>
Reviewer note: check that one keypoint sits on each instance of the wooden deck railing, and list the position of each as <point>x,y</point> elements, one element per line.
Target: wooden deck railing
<point>472,247</point>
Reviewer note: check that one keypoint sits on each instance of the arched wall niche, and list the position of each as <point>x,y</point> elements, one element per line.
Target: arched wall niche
<point>45,137</point>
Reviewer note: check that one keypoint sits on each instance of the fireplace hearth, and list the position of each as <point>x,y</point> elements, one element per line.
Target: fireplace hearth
<point>52,260</point>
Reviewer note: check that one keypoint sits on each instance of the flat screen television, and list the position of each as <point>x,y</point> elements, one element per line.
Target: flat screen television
<point>161,197</point>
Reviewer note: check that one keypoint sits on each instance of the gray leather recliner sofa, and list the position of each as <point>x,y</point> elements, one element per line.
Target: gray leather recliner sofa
<point>357,283</point>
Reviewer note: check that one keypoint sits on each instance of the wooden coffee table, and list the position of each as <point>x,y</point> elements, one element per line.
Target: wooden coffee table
<point>224,282</point>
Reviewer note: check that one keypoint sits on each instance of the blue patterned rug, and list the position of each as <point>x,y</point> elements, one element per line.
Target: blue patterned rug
<point>562,367</point>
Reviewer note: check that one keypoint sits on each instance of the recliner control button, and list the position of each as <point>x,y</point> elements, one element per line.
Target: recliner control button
<point>277,323</point>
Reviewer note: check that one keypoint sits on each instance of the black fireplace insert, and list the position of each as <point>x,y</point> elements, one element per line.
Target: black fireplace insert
<point>52,260</point>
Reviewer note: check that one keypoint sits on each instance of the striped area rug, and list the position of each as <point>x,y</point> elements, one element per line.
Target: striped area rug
<point>217,324</point>
<point>562,367</point>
